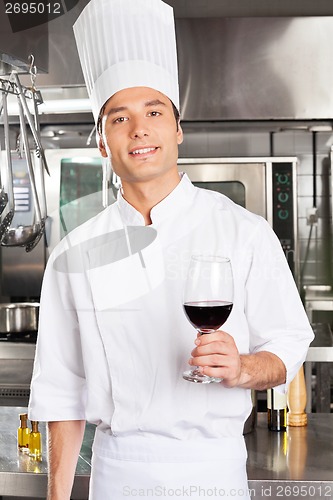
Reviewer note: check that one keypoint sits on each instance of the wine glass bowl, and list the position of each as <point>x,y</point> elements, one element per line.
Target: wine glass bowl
<point>208,316</point>
<point>208,300</point>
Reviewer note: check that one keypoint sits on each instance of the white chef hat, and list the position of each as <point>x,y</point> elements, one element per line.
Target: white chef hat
<point>127,43</point>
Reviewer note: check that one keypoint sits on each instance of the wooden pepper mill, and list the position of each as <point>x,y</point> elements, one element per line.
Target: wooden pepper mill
<point>296,400</point>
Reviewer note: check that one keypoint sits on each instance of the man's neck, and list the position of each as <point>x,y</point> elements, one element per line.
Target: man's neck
<point>143,196</point>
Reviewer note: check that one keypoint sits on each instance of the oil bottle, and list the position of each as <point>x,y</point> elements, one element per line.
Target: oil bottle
<point>23,433</point>
<point>35,441</point>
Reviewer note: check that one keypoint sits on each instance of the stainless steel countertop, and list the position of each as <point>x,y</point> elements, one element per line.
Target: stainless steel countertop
<point>285,462</point>
<point>23,476</point>
<point>277,461</point>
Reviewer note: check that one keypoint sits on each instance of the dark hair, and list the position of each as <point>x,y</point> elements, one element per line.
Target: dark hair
<point>99,119</point>
<point>100,116</point>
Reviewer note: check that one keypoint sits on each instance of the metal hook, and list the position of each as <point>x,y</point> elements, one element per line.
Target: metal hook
<point>90,136</point>
<point>32,71</point>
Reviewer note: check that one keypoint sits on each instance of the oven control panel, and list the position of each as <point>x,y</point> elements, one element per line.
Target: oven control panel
<point>283,208</point>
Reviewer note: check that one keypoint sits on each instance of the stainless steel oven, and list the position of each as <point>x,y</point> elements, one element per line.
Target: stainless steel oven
<point>265,186</point>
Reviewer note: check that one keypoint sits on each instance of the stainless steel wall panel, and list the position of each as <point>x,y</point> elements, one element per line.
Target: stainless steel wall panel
<point>216,8</point>
<point>22,272</point>
<point>19,38</point>
<point>230,68</point>
<point>255,68</point>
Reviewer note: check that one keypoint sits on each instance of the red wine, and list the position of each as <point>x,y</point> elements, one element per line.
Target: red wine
<point>208,315</point>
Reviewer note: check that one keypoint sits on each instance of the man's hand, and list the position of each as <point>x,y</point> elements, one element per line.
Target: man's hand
<point>216,355</point>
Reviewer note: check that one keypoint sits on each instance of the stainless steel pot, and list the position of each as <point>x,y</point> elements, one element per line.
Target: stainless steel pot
<point>19,317</point>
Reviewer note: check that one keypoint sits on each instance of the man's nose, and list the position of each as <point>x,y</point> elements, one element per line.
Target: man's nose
<point>139,128</point>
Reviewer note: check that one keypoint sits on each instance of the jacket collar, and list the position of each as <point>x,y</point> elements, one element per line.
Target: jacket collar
<point>175,202</point>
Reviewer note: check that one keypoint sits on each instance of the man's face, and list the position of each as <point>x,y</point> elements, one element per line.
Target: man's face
<point>139,134</point>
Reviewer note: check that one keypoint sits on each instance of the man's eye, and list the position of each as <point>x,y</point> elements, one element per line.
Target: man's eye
<point>121,119</point>
<point>154,113</point>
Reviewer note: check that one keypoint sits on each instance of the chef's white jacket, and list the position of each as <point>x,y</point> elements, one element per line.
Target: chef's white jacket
<point>113,337</point>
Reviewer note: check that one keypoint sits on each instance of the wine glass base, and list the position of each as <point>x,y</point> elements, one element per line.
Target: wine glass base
<point>199,378</point>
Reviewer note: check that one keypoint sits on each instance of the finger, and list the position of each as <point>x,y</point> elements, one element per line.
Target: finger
<point>207,338</point>
<point>217,347</point>
<point>230,363</point>
<point>213,371</point>
<point>214,360</point>
<point>228,377</point>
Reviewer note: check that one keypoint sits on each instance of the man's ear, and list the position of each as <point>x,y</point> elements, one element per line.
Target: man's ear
<point>101,147</point>
<point>180,135</point>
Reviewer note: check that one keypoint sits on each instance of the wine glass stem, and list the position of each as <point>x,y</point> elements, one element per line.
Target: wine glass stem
<point>196,369</point>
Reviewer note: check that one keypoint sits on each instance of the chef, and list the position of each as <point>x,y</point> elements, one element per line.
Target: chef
<point>113,337</point>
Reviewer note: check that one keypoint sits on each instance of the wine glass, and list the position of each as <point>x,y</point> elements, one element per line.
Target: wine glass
<point>208,300</point>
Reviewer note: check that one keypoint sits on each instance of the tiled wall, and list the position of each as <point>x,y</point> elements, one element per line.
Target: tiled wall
<point>315,247</point>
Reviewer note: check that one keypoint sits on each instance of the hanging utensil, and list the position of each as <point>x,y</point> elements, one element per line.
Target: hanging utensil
<point>3,194</point>
<point>40,170</point>
<point>36,96</point>
<point>30,120</point>
<point>3,200</point>
<point>25,235</point>
<point>7,190</point>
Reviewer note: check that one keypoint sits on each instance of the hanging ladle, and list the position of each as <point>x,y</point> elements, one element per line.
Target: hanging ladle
<point>43,211</point>
<point>3,194</point>
<point>7,191</point>
<point>25,235</point>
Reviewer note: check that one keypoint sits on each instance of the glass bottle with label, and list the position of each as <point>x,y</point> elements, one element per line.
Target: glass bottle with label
<point>23,433</point>
<point>276,410</point>
<point>35,441</point>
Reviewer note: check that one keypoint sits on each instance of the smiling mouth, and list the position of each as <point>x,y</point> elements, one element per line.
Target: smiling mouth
<point>142,151</point>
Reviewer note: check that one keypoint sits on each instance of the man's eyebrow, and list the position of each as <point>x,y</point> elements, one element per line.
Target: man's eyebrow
<point>155,102</point>
<point>113,111</point>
